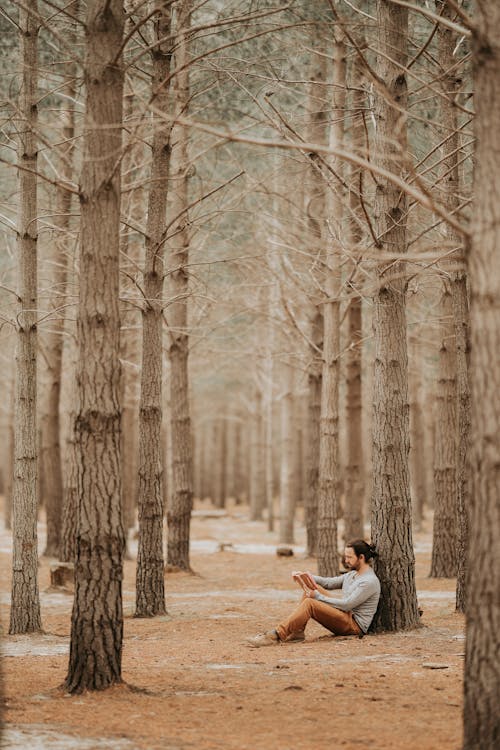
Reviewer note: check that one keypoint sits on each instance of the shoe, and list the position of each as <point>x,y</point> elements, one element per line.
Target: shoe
<point>297,637</point>
<point>270,638</point>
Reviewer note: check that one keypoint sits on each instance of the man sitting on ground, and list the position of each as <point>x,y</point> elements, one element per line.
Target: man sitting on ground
<point>350,615</point>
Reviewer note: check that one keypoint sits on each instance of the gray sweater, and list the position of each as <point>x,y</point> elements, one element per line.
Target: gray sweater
<point>360,595</point>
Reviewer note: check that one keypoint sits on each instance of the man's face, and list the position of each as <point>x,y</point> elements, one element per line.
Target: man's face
<point>352,561</point>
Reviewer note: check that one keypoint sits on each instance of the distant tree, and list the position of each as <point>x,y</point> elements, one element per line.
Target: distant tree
<point>25,608</point>
<point>482,659</point>
<point>97,618</point>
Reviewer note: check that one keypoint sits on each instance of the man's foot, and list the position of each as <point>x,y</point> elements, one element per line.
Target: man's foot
<point>298,637</point>
<point>270,638</point>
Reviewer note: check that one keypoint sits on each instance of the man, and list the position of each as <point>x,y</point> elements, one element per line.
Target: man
<point>350,615</point>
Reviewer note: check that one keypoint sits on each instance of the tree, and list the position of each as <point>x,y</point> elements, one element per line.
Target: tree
<point>482,659</point>
<point>181,497</point>
<point>328,560</point>
<point>150,594</point>
<point>391,503</point>
<point>25,609</point>
<point>97,617</point>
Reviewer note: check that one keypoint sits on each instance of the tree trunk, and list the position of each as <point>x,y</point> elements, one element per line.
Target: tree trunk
<point>444,553</point>
<point>482,666</point>
<point>391,502</point>
<point>25,608</point>
<point>328,504</point>
<point>179,514</point>
<point>450,83</point>
<point>97,618</point>
<point>257,467</point>
<point>354,479</point>
<point>417,452</point>
<point>60,259</point>
<point>316,236</point>
<point>287,495</point>
<point>70,478</point>
<point>150,590</point>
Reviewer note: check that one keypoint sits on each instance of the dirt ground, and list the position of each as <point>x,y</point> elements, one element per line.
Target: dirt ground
<point>190,681</point>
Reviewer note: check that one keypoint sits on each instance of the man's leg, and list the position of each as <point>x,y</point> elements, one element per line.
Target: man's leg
<point>338,622</point>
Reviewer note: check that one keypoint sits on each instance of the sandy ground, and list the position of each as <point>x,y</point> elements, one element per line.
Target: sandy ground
<point>190,680</point>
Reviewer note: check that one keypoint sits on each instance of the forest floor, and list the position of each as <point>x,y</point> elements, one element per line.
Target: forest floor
<point>191,681</point>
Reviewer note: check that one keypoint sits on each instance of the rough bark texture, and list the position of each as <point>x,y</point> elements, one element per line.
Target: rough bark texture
<point>97,618</point>
<point>60,255</point>
<point>328,503</point>
<point>354,479</point>
<point>316,237</point>
<point>444,553</point>
<point>70,477</point>
<point>482,659</point>
<point>150,590</point>
<point>391,503</point>
<point>451,83</point>
<point>25,608</point>
<point>179,513</point>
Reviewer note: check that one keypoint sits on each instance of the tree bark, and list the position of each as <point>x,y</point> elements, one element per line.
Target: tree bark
<point>354,479</point>
<point>60,259</point>
<point>150,590</point>
<point>256,477</point>
<point>328,502</point>
<point>97,618</point>
<point>391,502</point>
<point>482,665</point>
<point>444,553</point>
<point>179,514</point>
<point>25,608</point>
<point>450,83</point>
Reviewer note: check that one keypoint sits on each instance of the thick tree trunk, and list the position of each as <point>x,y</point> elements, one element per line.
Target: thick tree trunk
<point>328,480</point>
<point>150,590</point>
<point>354,478</point>
<point>97,618</point>
<point>391,502</point>
<point>444,553</point>
<point>25,608</point>
<point>482,663</point>
<point>179,514</point>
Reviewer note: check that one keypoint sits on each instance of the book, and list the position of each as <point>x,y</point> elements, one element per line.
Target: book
<point>304,579</point>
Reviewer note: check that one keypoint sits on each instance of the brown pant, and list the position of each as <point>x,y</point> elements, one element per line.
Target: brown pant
<point>340,623</point>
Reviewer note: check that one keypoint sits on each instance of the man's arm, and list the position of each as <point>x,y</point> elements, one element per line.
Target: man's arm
<point>329,583</point>
<point>363,591</point>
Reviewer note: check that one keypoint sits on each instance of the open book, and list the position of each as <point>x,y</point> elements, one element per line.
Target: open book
<point>304,579</point>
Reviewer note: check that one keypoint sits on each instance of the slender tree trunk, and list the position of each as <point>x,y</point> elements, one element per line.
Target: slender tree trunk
<point>150,591</point>
<point>482,663</point>
<point>272,303</point>
<point>391,502</point>
<point>9,468</point>
<point>179,514</point>
<point>417,453</point>
<point>287,495</point>
<point>328,503</point>
<point>444,553</point>
<point>97,618</point>
<point>60,259</point>
<point>316,235</point>
<point>25,608</point>
<point>257,467</point>
<point>354,478</point>
<point>70,477</point>
<point>450,82</point>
